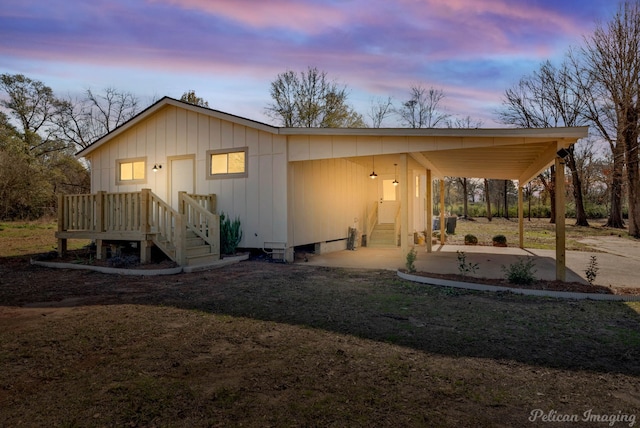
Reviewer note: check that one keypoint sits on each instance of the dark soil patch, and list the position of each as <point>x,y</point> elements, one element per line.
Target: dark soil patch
<point>265,344</point>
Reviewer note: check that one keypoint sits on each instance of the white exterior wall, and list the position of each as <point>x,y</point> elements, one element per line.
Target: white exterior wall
<point>260,199</point>
<point>326,198</point>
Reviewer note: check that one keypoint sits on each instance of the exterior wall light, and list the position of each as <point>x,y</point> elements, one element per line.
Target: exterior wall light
<point>395,180</point>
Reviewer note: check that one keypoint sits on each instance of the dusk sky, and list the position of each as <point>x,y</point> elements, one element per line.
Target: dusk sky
<point>230,51</point>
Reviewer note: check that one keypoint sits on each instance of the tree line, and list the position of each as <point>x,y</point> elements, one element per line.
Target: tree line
<point>41,132</point>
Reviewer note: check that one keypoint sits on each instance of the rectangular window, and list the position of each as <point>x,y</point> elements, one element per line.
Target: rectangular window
<point>227,163</point>
<point>131,171</point>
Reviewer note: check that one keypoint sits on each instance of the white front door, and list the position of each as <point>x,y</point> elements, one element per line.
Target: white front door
<point>182,178</point>
<point>388,204</point>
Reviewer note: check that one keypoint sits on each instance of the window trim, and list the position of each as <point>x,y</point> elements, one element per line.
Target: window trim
<point>244,174</point>
<point>120,181</point>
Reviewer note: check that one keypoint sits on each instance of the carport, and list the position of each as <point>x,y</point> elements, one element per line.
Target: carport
<point>503,153</point>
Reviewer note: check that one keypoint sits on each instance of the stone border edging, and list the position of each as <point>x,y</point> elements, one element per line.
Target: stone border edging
<point>524,291</point>
<point>217,264</point>
<point>106,269</point>
<point>143,272</point>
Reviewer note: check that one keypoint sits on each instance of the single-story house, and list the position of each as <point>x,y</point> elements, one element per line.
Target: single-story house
<point>164,176</point>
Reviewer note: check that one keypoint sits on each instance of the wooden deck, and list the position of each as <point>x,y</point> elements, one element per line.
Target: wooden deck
<point>190,235</point>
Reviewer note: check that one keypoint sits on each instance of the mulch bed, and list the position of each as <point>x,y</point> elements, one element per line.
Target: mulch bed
<point>574,287</point>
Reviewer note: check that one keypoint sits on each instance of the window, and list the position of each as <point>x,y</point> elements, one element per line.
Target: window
<point>131,171</point>
<point>227,163</point>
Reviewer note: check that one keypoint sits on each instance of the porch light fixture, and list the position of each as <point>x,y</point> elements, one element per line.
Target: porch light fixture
<point>395,180</point>
<point>156,167</point>
<point>563,153</point>
<point>373,174</point>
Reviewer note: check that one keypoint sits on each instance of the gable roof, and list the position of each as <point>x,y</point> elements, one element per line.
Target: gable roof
<point>168,101</point>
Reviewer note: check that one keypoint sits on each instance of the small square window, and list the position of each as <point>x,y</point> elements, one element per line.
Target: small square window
<point>227,164</point>
<point>131,171</point>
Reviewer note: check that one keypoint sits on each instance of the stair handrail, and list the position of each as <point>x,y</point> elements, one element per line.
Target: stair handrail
<point>167,229</point>
<point>397,224</point>
<point>372,218</point>
<point>200,221</point>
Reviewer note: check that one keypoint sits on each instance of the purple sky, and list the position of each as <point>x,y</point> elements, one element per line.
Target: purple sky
<point>229,51</point>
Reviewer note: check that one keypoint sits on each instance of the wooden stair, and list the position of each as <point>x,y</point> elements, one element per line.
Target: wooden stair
<point>383,235</point>
<point>198,251</point>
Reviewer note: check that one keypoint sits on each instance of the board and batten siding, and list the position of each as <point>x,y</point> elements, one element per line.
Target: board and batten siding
<point>326,197</point>
<point>259,200</point>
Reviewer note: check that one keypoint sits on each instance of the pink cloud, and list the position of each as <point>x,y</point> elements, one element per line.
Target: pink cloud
<point>291,14</point>
<point>475,28</point>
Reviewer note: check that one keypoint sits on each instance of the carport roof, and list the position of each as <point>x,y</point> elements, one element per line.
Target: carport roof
<point>500,153</point>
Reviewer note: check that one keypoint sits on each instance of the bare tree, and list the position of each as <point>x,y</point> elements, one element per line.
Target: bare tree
<point>465,122</point>
<point>487,197</point>
<point>379,110</point>
<point>549,98</point>
<point>422,109</point>
<point>310,100</point>
<point>82,121</point>
<point>601,116</point>
<point>612,54</point>
<point>34,105</point>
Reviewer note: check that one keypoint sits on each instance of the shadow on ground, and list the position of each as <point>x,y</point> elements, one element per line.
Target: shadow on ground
<point>372,304</point>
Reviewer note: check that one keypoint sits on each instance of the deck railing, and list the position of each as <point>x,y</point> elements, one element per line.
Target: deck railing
<point>208,202</point>
<point>122,212</point>
<point>166,227</point>
<point>101,212</point>
<point>200,220</point>
<point>77,212</point>
<point>140,215</point>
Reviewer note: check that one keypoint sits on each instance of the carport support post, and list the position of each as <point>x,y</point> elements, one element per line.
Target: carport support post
<point>404,205</point>
<point>442,236</point>
<point>428,206</point>
<point>561,272</point>
<point>520,216</point>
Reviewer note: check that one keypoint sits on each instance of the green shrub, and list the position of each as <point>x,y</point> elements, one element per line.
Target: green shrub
<point>592,269</point>
<point>230,234</point>
<point>411,258</point>
<point>465,267</point>
<point>499,240</point>
<point>470,239</point>
<point>521,272</point>
<point>436,234</point>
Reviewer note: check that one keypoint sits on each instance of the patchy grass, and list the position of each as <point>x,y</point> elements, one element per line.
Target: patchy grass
<point>261,344</point>
<point>19,238</point>
<point>538,233</point>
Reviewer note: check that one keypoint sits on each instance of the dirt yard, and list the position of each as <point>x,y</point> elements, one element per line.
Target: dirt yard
<point>262,344</point>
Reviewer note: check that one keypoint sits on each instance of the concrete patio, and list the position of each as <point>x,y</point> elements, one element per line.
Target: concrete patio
<point>618,260</point>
